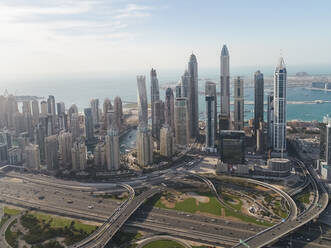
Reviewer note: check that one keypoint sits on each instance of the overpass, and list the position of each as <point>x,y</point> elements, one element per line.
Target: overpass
<point>106,232</point>
<point>277,231</point>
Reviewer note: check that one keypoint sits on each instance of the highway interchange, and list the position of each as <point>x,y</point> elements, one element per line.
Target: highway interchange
<point>72,199</point>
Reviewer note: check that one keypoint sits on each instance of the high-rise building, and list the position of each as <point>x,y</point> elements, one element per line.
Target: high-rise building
<point>3,153</point>
<point>169,109</point>
<point>100,156</point>
<point>258,99</point>
<point>107,107</point>
<point>32,157</point>
<point>112,150</point>
<point>210,122</point>
<point>142,101</point>
<point>155,105</point>
<point>35,112</point>
<point>52,111</point>
<point>40,135</point>
<point>179,89</point>
<point>182,120</point>
<point>61,109</point>
<point>65,145</point>
<point>3,103</point>
<point>225,89</point>
<point>118,109</point>
<point>193,96</point>
<point>210,92</point>
<point>110,120</point>
<point>75,126</point>
<point>158,116</point>
<point>43,108</point>
<point>238,104</point>
<point>144,146</point>
<point>89,126</point>
<point>78,154</point>
<point>51,150</point>
<point>167,144</point>
<point>94,103</point>
<point>260,138</point>
<point>232,146</point>
<point>27,115</point>
<point>185,84</point>
<point>328,145</point>
<point>11,111</point>
<point>270,121</point>
<point>144,137</point>
<point>279,140</point>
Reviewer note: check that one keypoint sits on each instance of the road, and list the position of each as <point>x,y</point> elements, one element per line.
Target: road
<point>276,232</point>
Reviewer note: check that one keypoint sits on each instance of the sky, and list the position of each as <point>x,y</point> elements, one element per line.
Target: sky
<point>101,37</point>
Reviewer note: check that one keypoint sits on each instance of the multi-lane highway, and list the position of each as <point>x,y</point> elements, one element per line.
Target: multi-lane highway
<point>213,232</point>
<point>276,232</point>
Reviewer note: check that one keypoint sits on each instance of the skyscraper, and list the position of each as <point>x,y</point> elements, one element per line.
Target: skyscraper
<point>75,127</point>
<point>35,112</point>
<point>52,111</point>
<point>279,141</point>
<point>328,145</point>
<point>3,103</point>
<point>169,110</point>
<point>118,109</point>
<point>270,121</point>
<point>65,145</point>
<point>144,146</point>
<point>142,101</point>
<point>185,84</point>
<point>51,150</point>
<point>210,90</point>
<point>112,150</point>
<point>32,157</point>
<point>144,137</point>
<point>182,120</point>
<point>78,154</point>
<point>193,96</point>
<point>258,99</point>
<point>89,126</point>
<point>155,105</point>
<point>166,146</point>
<point>43,108</point>
<point>238,104</point>
<point>94,103</point>
<point>225,89</point>
<point>158,119</point>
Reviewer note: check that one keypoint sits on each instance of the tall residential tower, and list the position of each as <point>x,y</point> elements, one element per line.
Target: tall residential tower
<point>279,132</point>
<point>225,89</point>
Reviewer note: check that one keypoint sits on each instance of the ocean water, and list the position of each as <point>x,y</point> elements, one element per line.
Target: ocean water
<point>80,89</point>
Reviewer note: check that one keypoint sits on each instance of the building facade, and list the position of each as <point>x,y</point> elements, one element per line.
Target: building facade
<point>258,100</point>
<point>225,89</point>
<point>238,103</point>
<point>279,130</point>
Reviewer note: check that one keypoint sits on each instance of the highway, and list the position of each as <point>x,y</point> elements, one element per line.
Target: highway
<point>276,232</point>
<point>88,242</point>
<point>217,232</point>
<point>116,221</point>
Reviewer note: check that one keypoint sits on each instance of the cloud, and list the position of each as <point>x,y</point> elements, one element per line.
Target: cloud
<point>133,11</point>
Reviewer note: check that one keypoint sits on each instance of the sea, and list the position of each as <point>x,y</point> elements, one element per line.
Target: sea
<point>79,89</point>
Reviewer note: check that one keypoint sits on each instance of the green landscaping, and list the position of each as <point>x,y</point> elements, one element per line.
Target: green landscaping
<point>163,244</point>
<point>11,211</point>
<point>213,207</point>
<point>7,213</point>
<point>42,227</point>
<point>304,198</point>
<point>11,237</point>
<point>122,238</point>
